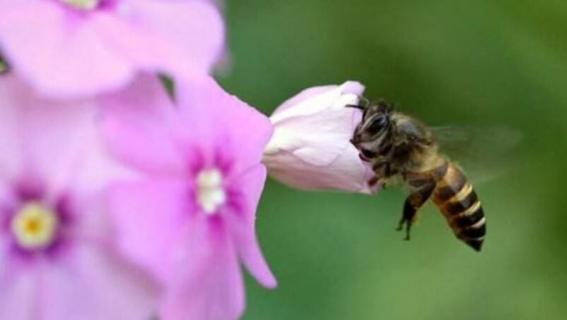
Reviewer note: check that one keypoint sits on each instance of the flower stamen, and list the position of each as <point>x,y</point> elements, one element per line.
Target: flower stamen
<point>210,190</point>
<point>82,4</point>
<point>34,226</point>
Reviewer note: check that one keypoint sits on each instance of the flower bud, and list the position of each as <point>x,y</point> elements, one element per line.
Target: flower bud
<point>310,148</point>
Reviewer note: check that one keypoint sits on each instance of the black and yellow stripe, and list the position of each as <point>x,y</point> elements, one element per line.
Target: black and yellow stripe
<point>458,201</point>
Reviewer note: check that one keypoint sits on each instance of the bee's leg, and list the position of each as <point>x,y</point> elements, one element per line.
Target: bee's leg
<point>413,202</point>
<point>378,176</point>
<point>373,181</point>
<point>382,171</point>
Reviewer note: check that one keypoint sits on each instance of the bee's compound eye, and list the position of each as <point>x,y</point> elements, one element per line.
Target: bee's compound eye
<point>377,125</point>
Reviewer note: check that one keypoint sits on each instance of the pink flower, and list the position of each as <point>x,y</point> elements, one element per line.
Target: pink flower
<point>191,220</point>
<point>70,48</point>
<point>311,148</point>
<point>56,255</point>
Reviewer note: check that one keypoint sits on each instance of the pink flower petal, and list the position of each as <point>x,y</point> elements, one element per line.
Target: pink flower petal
<point>50,139</point>
<point>195,27</point>
<point>193,253</point>
<point>304,95</point>
<point>10,142</point>
<point>51,52</point>
<point>218,119</point>
<point>316,99</point>
<point>346,173</point>
<point>318,139</point>
<point>92,221</point>
<point>243,228</point>
<point>137,128</point>
<point>150,218</point>
<point>18,296</point>
<point>213,288</point>
<point>95,284</point>
<point>144,48</point>
<point>183,37</point>
<point>16,300</point>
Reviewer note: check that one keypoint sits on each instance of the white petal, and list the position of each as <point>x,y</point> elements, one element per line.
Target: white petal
<point>311,148</point>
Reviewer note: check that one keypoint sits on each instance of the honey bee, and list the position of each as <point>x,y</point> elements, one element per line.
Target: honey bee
<point>399,146</point>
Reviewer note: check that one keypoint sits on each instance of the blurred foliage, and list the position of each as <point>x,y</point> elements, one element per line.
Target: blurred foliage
<point>455,62</point>
<point>3,66</point>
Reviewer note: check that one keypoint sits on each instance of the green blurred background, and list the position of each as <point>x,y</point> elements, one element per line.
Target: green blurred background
<point>489,63</point>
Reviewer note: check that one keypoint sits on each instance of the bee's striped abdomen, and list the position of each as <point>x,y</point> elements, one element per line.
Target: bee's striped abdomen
<point>458,201</point>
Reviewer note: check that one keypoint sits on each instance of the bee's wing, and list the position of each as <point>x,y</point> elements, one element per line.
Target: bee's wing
<point>483,152</point>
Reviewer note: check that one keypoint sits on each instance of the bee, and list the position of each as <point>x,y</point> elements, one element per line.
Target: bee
<point>401,147</point>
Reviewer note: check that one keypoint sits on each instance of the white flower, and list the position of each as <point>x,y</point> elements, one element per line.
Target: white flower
<point>311,148</point>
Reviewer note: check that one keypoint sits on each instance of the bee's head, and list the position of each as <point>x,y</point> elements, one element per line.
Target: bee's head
<point>374,127</point>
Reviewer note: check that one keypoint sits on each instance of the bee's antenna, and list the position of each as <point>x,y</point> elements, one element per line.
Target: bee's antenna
<point>361,106</point>
<point>356,106</point>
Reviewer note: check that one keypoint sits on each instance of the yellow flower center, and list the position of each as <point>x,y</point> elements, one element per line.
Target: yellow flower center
<point>34,226</point>
<point>210,190</point>
<point>82,4</point>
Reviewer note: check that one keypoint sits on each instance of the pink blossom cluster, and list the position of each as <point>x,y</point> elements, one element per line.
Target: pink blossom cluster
<point>120,199</point>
